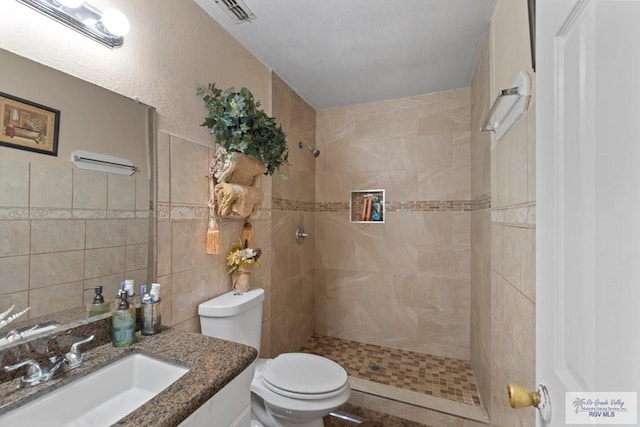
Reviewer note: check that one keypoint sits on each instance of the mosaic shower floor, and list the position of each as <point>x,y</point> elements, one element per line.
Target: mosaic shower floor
<point>436,376</point>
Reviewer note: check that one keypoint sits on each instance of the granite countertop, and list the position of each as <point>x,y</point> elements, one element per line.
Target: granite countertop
<point>212,364</point>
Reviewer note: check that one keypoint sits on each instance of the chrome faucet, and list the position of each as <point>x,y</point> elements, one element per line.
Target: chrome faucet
<point>36,374</point>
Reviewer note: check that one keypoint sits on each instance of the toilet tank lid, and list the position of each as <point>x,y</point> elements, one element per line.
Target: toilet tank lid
<point>231,303</point>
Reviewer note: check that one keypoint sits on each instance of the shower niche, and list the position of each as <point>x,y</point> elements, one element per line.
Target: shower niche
<point>367,206</point>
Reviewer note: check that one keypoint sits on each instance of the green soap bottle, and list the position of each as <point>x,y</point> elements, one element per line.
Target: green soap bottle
<point>98,306</point>
<point>123,323</point>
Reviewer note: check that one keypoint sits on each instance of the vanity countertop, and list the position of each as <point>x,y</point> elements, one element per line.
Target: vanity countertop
<point>212,364</point>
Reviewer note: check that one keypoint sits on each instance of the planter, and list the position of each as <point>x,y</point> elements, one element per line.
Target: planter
<point>241,279</point>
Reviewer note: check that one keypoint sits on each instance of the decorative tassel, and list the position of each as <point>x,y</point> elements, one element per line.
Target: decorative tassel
<point>213,237</point>
<point>247,234</point>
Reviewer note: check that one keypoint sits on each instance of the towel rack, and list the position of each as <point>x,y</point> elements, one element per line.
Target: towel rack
<point>102,163</point>
<point>509,106</point>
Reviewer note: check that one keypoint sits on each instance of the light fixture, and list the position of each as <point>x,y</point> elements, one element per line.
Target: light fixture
<point>106,27</point>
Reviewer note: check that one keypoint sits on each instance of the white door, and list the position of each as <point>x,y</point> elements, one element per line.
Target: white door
<point>588,200</point>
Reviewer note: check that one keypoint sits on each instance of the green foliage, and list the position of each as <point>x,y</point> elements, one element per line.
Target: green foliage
<point>238,124</point>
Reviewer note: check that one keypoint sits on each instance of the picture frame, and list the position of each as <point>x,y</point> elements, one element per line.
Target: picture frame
<point>29,126</point>
<point>532,31</point>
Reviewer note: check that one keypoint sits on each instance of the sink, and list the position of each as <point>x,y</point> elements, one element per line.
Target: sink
<point>101,398</point>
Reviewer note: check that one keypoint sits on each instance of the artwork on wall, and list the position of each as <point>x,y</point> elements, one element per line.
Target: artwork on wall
<point>532,32</point>
<point>28,126</point>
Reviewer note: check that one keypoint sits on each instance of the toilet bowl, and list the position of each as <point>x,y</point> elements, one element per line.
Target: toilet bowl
<point>297,389</point>
<point>291,390</point>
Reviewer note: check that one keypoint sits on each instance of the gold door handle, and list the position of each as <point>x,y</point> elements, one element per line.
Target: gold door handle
<point>519,397</point>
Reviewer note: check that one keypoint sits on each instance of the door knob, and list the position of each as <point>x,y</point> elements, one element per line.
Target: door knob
<point>519,397</point>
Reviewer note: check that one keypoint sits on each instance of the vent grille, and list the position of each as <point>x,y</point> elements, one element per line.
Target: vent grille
<point>237,10</point>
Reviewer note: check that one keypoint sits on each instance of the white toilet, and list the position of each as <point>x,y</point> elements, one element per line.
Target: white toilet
<point>294,389</point>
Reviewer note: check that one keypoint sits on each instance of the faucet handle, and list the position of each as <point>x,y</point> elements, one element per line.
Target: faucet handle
<point>34,371</point>
<point>74,358</point>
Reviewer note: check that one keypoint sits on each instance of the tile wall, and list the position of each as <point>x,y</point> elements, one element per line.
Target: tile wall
<point>64,231</point>
<point>405,283</point>
<point>292,285</point>
<point>188,274</point>
<point>503,308</point>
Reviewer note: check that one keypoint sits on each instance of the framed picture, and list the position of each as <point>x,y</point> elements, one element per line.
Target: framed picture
<point>28,126</point>
<point>532,31</point>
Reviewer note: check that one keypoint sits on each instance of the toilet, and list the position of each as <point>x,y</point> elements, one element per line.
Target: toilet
<point>293,389</point>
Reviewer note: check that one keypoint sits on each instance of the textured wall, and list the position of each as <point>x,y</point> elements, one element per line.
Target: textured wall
<point>171,46</point>
<point>292,284</point>
<point>404,283</point>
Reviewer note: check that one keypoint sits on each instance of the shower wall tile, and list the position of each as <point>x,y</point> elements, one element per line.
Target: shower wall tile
<point>289,303</point>
<point>416,266</point>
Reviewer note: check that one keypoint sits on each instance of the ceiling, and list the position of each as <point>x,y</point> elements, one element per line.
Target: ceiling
<point>344,52</point>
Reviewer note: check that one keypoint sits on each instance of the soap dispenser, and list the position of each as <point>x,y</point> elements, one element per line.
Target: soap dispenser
<point>123,322</point>
<point>98,306</point>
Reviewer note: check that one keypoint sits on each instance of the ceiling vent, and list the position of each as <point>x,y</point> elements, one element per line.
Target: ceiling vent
<point>237,10</point>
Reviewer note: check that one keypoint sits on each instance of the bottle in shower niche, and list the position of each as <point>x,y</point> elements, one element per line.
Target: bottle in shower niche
<point>123,322</point>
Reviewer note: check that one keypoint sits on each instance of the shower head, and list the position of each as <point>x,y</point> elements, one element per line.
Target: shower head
<point>314,151</point>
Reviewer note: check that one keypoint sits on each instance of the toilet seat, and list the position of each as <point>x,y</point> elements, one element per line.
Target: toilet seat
<point>304,376</point>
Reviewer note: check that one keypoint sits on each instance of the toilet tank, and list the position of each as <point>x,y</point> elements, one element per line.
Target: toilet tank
<point>234,316</point>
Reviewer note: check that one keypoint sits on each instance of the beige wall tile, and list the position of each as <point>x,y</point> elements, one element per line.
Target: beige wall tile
<point>89,189</point>
<point>121,192</point>
<point>14,238</point>
<point>136,257</point>
<point>189,289</point>
<point>189,165</point>
<point>104,262</point>
<point>56,298</point>
<point>56,268</point>
<point>137,231</point>
<point>15,274</point>
<point>50,186</point>
<point>164,177</point>
<point>444,184</point>
<point>57,235</point>
<point>14,183</point>
<point>105,233</point>
<point>188,241</point>
<point>143,190</point>
<point>164,248</point>
<point>19,299</point>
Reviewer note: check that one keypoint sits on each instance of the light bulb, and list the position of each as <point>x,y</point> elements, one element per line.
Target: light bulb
<point>115,22</point>
<point>71,4</point>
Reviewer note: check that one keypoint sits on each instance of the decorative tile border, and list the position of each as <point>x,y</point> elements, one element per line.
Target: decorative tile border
<point>522,216</point>
<point>430,206</point>
<point>483,202</point>
<point>13,214</point>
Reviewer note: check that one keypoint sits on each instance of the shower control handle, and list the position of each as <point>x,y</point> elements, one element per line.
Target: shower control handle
<point>300,235</point>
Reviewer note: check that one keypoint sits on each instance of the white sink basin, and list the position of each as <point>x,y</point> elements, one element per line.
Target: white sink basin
<point>101,398</point>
